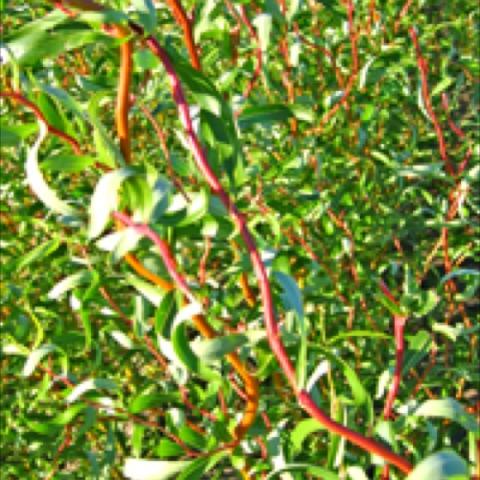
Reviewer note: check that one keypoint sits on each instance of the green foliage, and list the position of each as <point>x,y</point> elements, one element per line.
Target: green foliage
<point>130,389</point>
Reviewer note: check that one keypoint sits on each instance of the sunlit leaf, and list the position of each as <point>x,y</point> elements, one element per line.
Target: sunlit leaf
<point>68,163</point>
<point>35,357</point>
<point>37,182</point>
<point>443,465</point>
<point>139,469</point>
<point>105,200</point>
<point>263,24</point>
<point>69,283</point>
<point>447,408</point>
<point>302,430</point>
<point>89,385</point>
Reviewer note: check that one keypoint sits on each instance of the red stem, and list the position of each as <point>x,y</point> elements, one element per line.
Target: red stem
<point>163,144</point>
<point>17,96</point>
<point>148,341</point>
<point>324,50</point>
<point>399,327</point>
<point>243,18</point>
<point>423,69</point>
<point>402,13</point>
<point>163,248</point>
<point>457,130</point>
<point>258,53</point>
<point>191,406</point>
<point>367,444</point>
<point>240,222</point>
<point>353,75</point>
<point>386,291</point>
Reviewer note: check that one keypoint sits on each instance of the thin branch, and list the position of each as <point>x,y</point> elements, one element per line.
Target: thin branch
<point>163,144</point>
<point>202,268</point>
<point>134,418</point>
<point>353,75</point>
<point>186,25</point>
<point>402,13</point>
<point>325,51</point>
<point>251,384</point>
<point>457,130</point>
<point>148,341</point>
<point>267,301</point>
<point>423,69</point>
<point>17,96</point>
<point>243,18</point>
<point>271,323</point>
<point>399,327</point>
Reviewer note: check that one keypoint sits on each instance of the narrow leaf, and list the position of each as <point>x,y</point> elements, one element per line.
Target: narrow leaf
<point>216,348</point>
<point>90,384</point>
<point>302,430</point>
<point>68,163</point>
<point>38,184</point>
<point>263,24</point>
<point>35,358</point>
<point>139,469</point>
<point>447,408</point>
<point>264,115</point>
<point>151,292</point>
<point>40,252</point>
<point>105,200</point>
<point>68,283</point>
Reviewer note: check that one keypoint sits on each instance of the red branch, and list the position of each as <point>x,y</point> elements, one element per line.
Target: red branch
<point>148,341</point>
<point>243,18</point>
<point>457,130</point>
<point>272,326</point>
<point>450,286</point>
<point>17,96</point>
<point>258,68</point>
<point>164,249</point>
<point>386,291</point>
<point>325,51</point>
<point>402,13</point>
<point>64,9</point>
<point>186,24</point>
<point>238,218</point>
<point>353,75</point>
<point>163,144</point>
<point>267,301</point>
<point>398,327</point>
<point>423,69</point>
<point>191,406</point>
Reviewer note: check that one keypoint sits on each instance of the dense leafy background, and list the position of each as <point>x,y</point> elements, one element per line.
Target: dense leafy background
<point>334,207</point>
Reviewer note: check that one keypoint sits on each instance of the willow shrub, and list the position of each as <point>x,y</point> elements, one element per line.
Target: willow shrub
<point>240,240</point>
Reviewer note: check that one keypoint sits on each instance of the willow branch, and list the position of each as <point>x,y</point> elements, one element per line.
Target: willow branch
<point>18,97</point>
<point>423,69</point>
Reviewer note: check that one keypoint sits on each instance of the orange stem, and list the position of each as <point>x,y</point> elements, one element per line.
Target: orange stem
<point>186,24</point>
<point>121,119</point>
